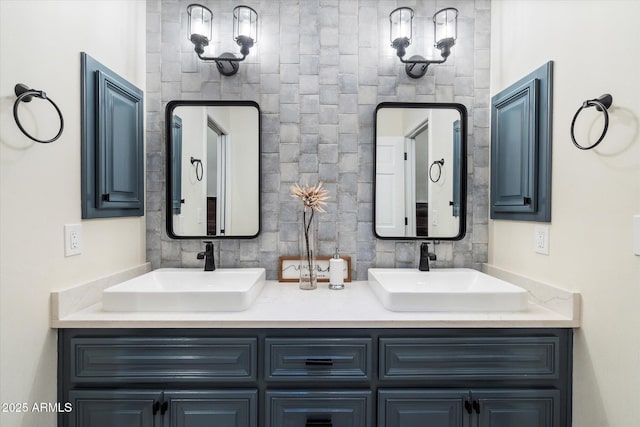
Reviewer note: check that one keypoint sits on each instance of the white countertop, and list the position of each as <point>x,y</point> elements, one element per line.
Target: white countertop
<point>284,305</point>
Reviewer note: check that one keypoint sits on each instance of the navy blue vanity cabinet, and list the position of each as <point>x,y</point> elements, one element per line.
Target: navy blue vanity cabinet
<point>304,408</point>
<point>148,408</point>
<point>302,359</point>
<point>521,148</point>
<point>522,408</point>
<point>486,380</point>
<point>219,408</point>
<point>469,408</point>
<point>406,407</point>
<point>108,408</point>
<point>112,141</point>
<point>145,378</point>
<point>331,377</point>
<point>326,381</point>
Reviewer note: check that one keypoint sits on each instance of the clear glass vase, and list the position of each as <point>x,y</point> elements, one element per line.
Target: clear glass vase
<point>308,250</point>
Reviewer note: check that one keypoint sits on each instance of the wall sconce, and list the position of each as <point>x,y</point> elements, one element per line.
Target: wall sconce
<point>200,32</point>
<point>445,32</point>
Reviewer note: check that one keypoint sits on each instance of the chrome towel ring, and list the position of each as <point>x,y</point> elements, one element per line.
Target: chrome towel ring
<point>25,94</point>
<point>602,104</point>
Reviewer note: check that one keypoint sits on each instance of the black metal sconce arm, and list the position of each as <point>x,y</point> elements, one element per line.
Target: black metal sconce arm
<point>417,65</point>
<point>222,57</point>
<point>227,63</point>
<point>421,61</point>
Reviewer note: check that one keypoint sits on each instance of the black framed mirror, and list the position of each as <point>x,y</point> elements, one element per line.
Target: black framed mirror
<point>213,169</point>
<point>420,158</point>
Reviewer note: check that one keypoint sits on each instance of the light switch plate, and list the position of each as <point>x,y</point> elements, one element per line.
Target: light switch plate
<point>541,239</point>
<point>636,234</point>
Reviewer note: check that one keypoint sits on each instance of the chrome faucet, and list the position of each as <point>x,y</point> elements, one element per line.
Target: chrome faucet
<point>207,255</point>
<point>425,257</point>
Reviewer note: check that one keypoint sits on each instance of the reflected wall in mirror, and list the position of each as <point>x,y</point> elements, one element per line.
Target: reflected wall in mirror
<point>420,171</point>
<point>213,169</point>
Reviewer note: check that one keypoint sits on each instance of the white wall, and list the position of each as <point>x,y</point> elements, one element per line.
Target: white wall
<point>594,194</point>
<point>192,220</point>
<point>244,172</point>
<point>441,219</point>
<point>40,45</point>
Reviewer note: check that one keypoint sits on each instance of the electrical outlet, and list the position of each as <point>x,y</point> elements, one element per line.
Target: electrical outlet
<point>541,239</point>
<point>72,239</point>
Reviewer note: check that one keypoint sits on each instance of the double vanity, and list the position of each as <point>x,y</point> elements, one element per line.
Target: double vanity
<point>227,348</point>
<point>181,347</point>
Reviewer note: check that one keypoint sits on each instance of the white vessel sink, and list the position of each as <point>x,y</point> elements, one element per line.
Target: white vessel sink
<point>185,289</point>
<point>444,289</point>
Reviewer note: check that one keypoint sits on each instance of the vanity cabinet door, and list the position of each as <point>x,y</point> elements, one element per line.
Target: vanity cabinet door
<point>158,360</point>
<point>318,359</point>
<point>522,408</point>
<point>442,408</point>
<point>109,408</point>
<point>219,408</point>
<point>475,408</point>
<point>469,358</point>
<point>318,409</point>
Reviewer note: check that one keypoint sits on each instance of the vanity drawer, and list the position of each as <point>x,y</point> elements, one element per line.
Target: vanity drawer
<point>153,360</point>
<point>319,408</point>
<point>486,358</point>
<point>299,359</point>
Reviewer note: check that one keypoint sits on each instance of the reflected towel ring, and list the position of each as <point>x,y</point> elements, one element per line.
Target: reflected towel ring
<point>197,163</point>
<point>439,163</point>
<point>25,94</point>
<point>602,104</point>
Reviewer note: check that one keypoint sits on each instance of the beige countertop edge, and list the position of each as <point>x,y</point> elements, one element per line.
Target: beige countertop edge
<point>549,307</point>
<point>76,298</point>
<point>536,317</point>
<point>363,324</point>
<point>565,302</point>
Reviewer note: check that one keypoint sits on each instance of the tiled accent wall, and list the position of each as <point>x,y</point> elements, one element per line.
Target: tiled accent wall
<point>318,71</point>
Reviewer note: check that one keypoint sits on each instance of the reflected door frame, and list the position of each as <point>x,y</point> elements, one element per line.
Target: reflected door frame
<point>222,177</point>
<point>410,178</point>
<point>410,186</point>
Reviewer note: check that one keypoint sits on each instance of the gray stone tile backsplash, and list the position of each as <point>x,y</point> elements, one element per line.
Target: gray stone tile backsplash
<point>318,71</point>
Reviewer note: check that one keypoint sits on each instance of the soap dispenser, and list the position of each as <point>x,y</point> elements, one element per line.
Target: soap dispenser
<point>336,272</point>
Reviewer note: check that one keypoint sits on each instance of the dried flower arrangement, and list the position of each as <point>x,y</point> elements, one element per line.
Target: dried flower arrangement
<point>313,197</point>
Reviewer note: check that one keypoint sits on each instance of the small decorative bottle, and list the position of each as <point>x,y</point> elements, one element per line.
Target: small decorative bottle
<point>336,272</point>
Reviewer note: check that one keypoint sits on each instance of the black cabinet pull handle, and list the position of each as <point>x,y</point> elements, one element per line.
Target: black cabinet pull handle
<point>318,362</point>
<point>467,406</point>
<point>164,407</point>
<point>476,406</point>
<point>156,407</point>
<point>319,422</point>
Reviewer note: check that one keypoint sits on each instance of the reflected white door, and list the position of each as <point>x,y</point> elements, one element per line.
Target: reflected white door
<point>390,180</point>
